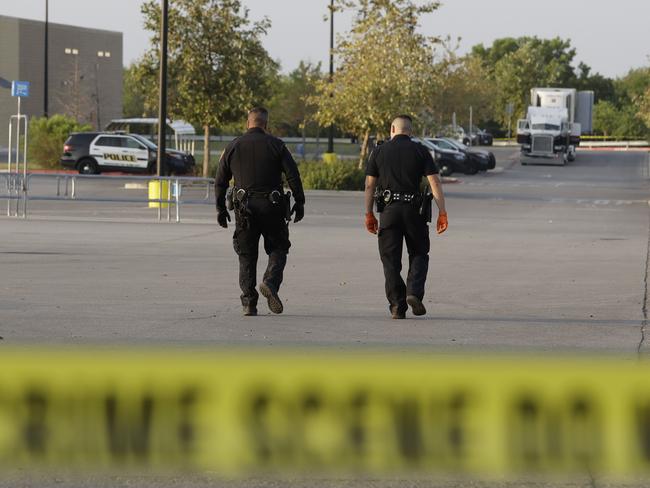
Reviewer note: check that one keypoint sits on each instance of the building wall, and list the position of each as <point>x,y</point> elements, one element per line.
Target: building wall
<point>9,70</point>
<point>85,86</point>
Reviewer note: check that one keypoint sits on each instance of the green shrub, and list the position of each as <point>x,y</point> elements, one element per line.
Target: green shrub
<point>46,138</point>
<point>342,175</point>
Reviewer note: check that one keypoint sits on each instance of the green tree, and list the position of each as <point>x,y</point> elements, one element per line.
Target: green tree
<point>47,135</point>
<point>632,101</point>
<point>384,67</point>
<point>602,86</point>
<point>644,109</point>
<point>218,67</point>
<point>291,112</point>
<point>607,118</point>
<point>459,82</point>
<point>515,65</point>
<point>515,74</point>
<point>632,86</point>
<point>556,54</point>
<point>134,94</point>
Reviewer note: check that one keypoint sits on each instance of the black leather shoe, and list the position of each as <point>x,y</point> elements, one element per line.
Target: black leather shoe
<point>397,314</point>
<point>250,311</point>
<point>275,304</point>
<point>417,307</point>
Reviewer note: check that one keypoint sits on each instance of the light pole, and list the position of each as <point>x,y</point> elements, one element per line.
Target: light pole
<point>100,55</point>
<point>73,51</point>
<point>162,89</point>
<point>330,136</point>
<point>45,59</point>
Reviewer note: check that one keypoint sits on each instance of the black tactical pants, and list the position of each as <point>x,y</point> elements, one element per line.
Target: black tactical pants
<point>267,220</point>
<point>398,222</point>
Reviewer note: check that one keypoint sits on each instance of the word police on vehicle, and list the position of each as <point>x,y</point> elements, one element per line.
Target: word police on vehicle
<point>96,152</point>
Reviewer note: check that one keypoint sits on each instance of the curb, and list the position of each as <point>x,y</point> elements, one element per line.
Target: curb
<point>613,148</point>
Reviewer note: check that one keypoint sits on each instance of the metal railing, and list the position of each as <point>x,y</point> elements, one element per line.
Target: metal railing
<point>65,187</point>
<point>16,193</point>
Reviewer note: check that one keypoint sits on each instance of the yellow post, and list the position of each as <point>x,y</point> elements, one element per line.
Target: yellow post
<point>156,189</point>
<point>330,158</point>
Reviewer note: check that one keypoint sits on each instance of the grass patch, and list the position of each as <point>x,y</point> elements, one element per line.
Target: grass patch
<point>342,175</point>
<point>30,166</point>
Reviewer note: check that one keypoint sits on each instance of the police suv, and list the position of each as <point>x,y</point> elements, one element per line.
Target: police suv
<point>95,152</point>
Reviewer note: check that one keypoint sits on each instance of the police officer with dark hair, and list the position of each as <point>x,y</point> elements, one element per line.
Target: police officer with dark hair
<point>393,175</point>
<point>257,161</point>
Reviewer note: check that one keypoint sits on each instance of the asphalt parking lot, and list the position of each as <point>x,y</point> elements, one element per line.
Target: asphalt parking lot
<point>537,257</point>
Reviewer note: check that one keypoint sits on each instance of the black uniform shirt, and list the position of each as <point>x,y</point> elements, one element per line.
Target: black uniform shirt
<point>257,161</point>
<point>400,164</point>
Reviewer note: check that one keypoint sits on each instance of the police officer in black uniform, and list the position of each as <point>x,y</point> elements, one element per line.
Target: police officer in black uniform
<point>393,175</point>
<point>257,161</point>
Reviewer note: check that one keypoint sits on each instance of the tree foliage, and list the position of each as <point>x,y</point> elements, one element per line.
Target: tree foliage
<point>517,65</point>
<point>47,135</point>
<point>459,82</point>
<point>134,94</point>
<point>626,112</point>
<point>603,87</point>
<point>384,67</point>
<point>291,113</point>
<point>217,65</point>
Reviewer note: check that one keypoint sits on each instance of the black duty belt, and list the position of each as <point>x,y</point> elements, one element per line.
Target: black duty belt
<point>395,196</point>
<point>274,196</point>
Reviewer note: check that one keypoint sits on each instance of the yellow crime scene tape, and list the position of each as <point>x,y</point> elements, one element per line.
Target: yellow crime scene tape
<point>245,412</point>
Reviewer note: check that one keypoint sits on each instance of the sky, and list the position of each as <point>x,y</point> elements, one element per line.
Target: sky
<point>610,38</point>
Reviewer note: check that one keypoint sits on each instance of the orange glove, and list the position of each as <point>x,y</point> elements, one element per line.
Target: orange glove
<point>442,223</point>
<point>371,223</point>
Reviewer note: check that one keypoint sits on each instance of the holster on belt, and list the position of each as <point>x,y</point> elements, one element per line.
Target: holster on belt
<point>426,206</point>
<point>380,201</point>
<point>240,205</point>
<point>286,200</point>
<point>230,204</point>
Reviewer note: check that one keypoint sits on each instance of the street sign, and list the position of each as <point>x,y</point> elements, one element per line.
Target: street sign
<point>20,89</point>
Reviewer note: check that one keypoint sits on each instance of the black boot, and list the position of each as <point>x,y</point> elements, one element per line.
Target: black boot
<point>275,304</point>
<point>250,310</point>
<point>396,313</point>
<point>417,307</point>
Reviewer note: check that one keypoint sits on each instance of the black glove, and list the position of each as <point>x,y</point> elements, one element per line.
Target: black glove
<point>299,210</point>
<point>223,217</point>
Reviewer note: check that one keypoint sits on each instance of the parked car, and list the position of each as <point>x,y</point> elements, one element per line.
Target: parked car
<point>485,160</point>
<point>456,133</point>
<point>96,152</point>
<point>449,161</point>
<point>477,137</point>
<point>484,138</point>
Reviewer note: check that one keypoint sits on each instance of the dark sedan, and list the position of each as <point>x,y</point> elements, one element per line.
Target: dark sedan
<point>481,159</point>
<point>450,160</point>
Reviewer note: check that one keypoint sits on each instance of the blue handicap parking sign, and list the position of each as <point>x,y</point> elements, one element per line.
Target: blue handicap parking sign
<point>20,88</point>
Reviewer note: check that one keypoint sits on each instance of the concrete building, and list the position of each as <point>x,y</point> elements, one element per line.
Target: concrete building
<point>85,71</point>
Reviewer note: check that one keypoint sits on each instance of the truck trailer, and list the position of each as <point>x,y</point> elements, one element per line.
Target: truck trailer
<point>554,123</point>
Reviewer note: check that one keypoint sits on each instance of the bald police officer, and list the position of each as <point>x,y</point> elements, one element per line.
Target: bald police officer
<point>257,161</point>
<point>393,175</point>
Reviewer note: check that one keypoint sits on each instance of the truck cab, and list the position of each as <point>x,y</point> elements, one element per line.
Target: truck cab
<point>550,133</point>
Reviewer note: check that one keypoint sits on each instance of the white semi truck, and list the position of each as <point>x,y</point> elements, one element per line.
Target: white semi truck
<point>555,120</point>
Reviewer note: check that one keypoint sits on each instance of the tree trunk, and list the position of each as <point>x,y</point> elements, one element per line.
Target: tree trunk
<point>206,150</point>
<point>364,149</point>
<point>304,138</point>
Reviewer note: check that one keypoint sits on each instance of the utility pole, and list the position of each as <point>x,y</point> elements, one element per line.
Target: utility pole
<point>45,59</point>
<point>99,125</point>
<point>73,51</point>
<point>330,137</point>
<point>162,88</point>
<point>101,55</point>
<point>470,125</point>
